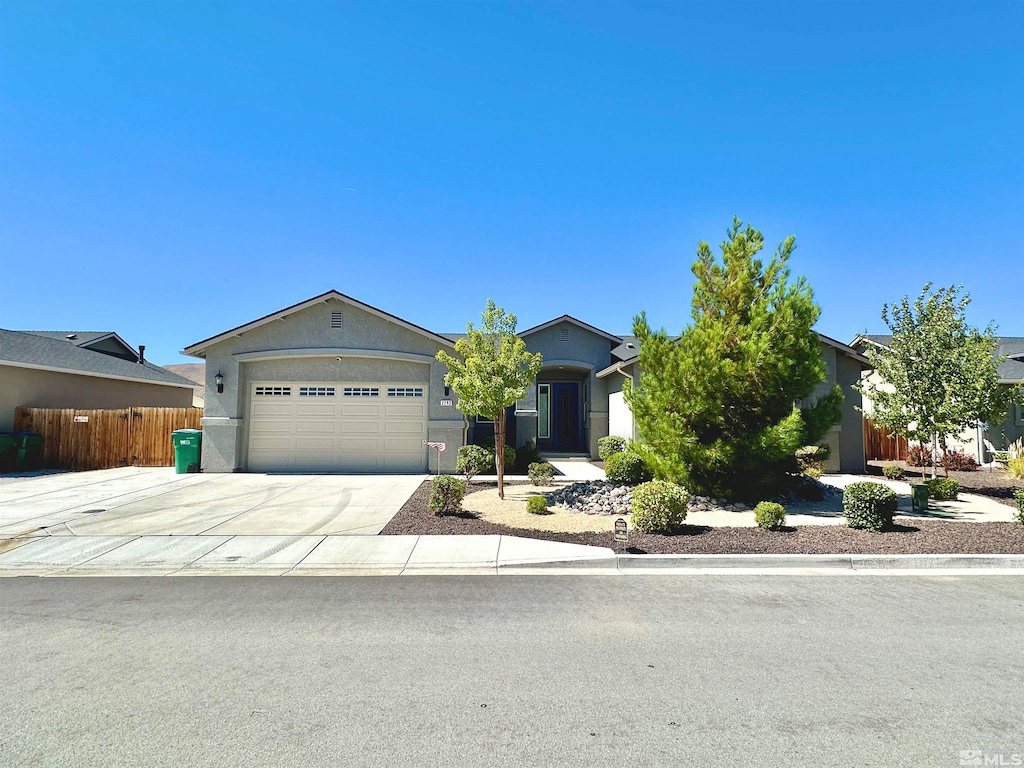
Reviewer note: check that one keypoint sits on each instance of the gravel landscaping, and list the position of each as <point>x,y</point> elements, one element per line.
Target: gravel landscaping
<point>908,537</point>
<point>994,483</point>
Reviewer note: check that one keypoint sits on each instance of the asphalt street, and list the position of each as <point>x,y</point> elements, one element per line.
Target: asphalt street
<point>511,671</point>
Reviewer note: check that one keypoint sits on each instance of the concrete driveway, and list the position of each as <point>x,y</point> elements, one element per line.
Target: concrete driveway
<point>136,501</point>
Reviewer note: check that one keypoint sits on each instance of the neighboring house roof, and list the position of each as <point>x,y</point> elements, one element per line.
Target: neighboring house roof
<point>199,348</point>
<point>627,349</point>
<point>22,349</point>
<point>89,339</point>
<point>573,321</point>
<point>1011,371</point>
<point>626,362</point>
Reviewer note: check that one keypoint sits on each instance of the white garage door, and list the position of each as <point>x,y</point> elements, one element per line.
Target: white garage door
<point>337,427</point>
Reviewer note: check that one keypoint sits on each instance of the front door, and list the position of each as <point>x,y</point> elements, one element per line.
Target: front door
<point>565,417</point>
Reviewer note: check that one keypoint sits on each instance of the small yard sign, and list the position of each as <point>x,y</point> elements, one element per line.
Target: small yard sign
<point>621,531</point>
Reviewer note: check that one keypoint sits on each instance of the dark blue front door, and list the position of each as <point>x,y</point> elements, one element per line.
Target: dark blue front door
<point>565,417</point>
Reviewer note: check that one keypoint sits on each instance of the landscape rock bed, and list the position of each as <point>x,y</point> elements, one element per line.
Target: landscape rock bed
<point>909,536</point>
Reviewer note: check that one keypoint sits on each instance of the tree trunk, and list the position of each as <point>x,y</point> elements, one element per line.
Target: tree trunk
<point>499,451</point>
<point>945,452</point>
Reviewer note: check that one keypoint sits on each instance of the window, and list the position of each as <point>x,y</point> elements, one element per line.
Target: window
<point>483,420</point>
<point>316,391</point>
<point>273,391</point>
<point>405,391</point>
<point>563,335</point>
<point>337,319</point>
<point>1020,415</point>
<point>543,411</point>
<point>361,392</point>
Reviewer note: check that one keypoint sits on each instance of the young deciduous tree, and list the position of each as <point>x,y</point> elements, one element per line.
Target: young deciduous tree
<point>942,374</point>
<point>718,408</point>
<point>494,370</point>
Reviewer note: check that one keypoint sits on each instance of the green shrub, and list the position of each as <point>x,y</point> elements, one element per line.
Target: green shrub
<point>537,505</point>
<point>626,469</point>
<point>814,472</point>
<point>541,473</point>
<point>943,488</point>
<point>473,459</point>
<point>893,471</point>
<point>919,456</point>
<point>811,459</point>
<point>606,446</point>
<point>659,506</point>
<point>526,454</point>
<point>446,493</point>
<point>1018,496</point>
<point>869,505</point>
<point>769,515</point>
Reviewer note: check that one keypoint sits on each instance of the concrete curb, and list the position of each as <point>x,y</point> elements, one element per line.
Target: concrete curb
<point>683,563</point>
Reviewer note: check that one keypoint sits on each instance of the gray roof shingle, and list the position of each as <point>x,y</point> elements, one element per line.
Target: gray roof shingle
<point>43,350</point>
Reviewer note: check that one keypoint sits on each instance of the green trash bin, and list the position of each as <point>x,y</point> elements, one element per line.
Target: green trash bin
<point>188,444</point>
<point>29,450</point>
<point>918,497</point>
<point>8,450</point>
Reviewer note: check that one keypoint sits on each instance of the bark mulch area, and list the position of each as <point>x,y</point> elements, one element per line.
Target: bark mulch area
<point>994,483</point>
<point>910,537</point>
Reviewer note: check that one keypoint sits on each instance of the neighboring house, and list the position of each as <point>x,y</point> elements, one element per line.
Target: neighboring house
<point>1011,373</point>
<point>79,369</point>
<point>844,366</point>
<point>332,383</point>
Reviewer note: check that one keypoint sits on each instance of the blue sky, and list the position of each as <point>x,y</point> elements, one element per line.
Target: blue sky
<point>170,171</point>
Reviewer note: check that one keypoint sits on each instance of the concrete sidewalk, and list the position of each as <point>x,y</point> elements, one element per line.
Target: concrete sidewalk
<point>429,555</point>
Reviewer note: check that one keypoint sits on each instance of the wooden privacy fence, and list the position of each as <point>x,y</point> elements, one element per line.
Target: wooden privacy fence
<point>880,444</point>
<point>99,439</point>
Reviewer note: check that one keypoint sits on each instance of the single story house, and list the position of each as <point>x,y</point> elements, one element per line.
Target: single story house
<point>998,434</point>
<point>80,369</point>
<point>844,367</point>
<point>333,384</point>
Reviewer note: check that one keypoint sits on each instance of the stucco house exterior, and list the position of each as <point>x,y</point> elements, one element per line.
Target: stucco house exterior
<point>844,367</point>
<point>972,441</point>
<point>80,369</point>
<point>334,384</point>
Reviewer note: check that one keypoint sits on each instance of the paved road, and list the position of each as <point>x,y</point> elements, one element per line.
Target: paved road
<point>472,671</point>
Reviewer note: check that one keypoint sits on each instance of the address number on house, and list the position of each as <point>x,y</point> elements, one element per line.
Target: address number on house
<point>447,403</point>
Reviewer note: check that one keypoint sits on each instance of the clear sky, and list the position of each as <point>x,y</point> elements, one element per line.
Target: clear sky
<point>170,171</point>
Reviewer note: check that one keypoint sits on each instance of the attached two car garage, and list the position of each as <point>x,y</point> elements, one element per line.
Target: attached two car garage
<point>342,426</point>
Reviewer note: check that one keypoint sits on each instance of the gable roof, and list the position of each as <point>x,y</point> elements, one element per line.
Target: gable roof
<point>88,339</point>
<point>32,350</point>
<point>1011,371</point>
<point>199,348</point>
<point>573,321</point>
<point>629,360</point>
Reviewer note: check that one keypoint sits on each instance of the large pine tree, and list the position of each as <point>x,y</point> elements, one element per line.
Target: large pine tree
<point>719,408</point>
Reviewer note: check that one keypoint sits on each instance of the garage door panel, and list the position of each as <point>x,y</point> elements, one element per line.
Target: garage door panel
<point>272,409</point>
<point>315,427</point>
<point>321,410</point>
<point>352,431</point>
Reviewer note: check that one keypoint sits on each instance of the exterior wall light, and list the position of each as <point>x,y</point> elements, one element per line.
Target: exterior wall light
<point>219,378</point>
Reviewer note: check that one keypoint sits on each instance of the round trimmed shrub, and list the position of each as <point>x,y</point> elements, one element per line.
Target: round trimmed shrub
<point>814,472</point>
<point>474,459</point>
<point>1018,496</point>
<point>659,506</point>
<point>893,471</point>
<point>606,446</point>
<point>769,515</point>
<point>626,469</point>
<point>537,505</point>
<point>943,488</point>
<point>540,473</point>
<point>869,506</point>
<point>446,494</point>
